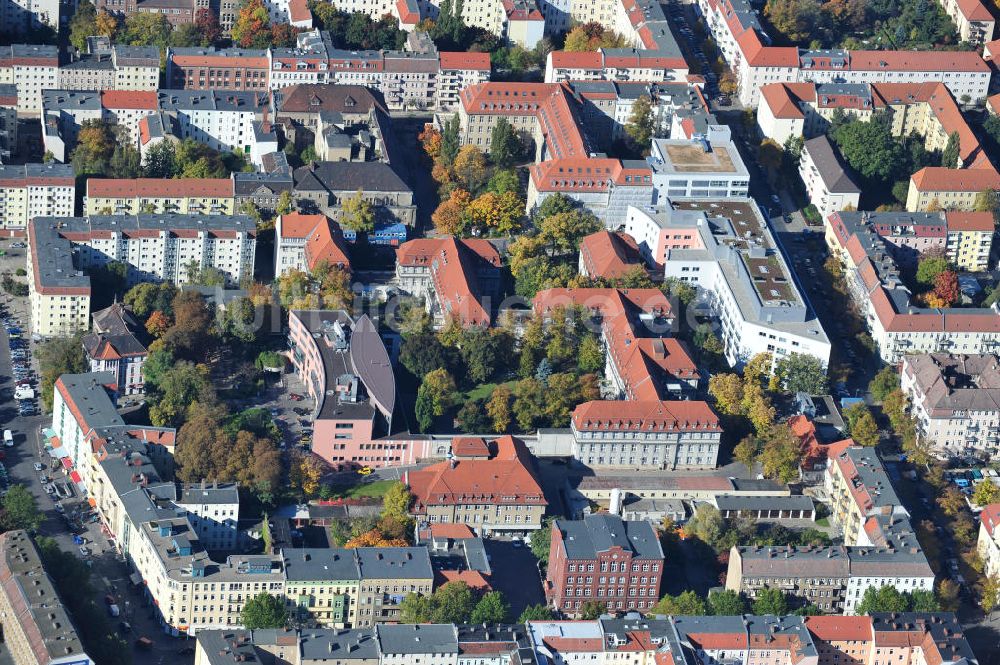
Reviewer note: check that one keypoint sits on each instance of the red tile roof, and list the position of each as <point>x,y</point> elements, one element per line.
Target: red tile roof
<point>610,255</point>
<point>783,98</point>
<point>941,179</point>
<point>299,225</point>
<point>453,266</point>
<point>505,479</point>
<point>453,61</point>
<point>326,244</point>
<point>917,61</point>
<point>634,415</point>
<point>974,10</point>
<point>160,188</point>
<point>453,531</point>
<point>470,446</point>
<point>129,99</point>
<point>473,578</point>
<point>970,221</point>
<point>990,517</point>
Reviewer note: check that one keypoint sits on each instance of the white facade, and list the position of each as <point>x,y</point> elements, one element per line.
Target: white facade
<point>35,190</point>
<point>720,171</point>
<point>213,513</point>
<point>856,586</point>
<point>827,189</point>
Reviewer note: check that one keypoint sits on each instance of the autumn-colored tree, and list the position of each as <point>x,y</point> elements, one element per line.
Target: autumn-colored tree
<point>107,24</point>
<point>470,168</point>
<point>986,493</point>
<point>440,389</point>
<point>449,218</point>
<point>757,368</point>
<point>793,18</point>
<point>934,205</point>
<point>305,473</point>
<point>951,501</point>
<point>441,173</point>
<point>727,389</point>
<point>208,26</point>
<point>374,538</point>
<point>758,408</point>
<point>252,22</point>
<point>781,454</point>
<point>498,408</point>
<point>158,323</point>
<point>728,84</point>
<point>946,287</point>
<point>745,452</point>
<point>592,36</point>
<point>498,214</point>
<point>430,139</point>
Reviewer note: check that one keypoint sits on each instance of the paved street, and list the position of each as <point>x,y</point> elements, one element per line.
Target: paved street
<point>110,574</point>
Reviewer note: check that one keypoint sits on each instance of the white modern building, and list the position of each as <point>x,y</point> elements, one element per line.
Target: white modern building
<point>35,190</point>
<point>726,249</point>
<point>707,166</point>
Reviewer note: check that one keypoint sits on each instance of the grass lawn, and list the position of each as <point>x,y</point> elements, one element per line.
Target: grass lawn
<point>484,390</point>
<point>377,488</point>
<point>823,521</point>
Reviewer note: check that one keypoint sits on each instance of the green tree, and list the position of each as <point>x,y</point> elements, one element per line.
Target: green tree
<point>592,609</point>
<point>861,425</point>
<point>453,603</point>
<point>746,451</point>
<point>781,454</point>
<point>870,149</point>
<point>641,123</point>
<point>264,611</point>
<point>590,355</point>
<point>58,356</point>
<point>83,25</point>
<point>706,525</point>
<point>491,608</point>
<point>727,603</point>
<point>285,203</point>
<point>174,391</point>
<point>357,213</point>
<point>440,387</point>
<point>535,613</point>
<point>450,140</point>
<point>540,541</point>
<point>929,268</point>
<point>503,181</point>
<point>20,510</point>
<point>504,144</point>
<point>686,603</point>
<point>416,608</point>
<point>986,493</point>
<point>770,601</point>
<point>952,152</point>
<point>990,597</point>
<point>396,501</point>
<point>884,383</point>
<point>882,599</point>
<point>482,351</point>
<point>801,372</point>
<point>922,600</point>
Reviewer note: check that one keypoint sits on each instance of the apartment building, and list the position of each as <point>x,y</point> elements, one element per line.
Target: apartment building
<point>457,278</point>
<point>213,509</point>
<point>642,434</point>
<point>182,196</point>
<point>415,80</point>
<point>498,494</point>
<point>880,546</point>
<point>35,190</point>
<point>926,109</point>
<point>8,121</point>
<point>643,363</point>
<point>387,575</point>
<point>25,18</point>
<point>37,629</point>
<point>955,400</point>
<point>898,326</point>
<point>727,248</point>
<point>301,242</point>
<point>746,48</point>
<point>31,68</point>
<point>155,248</point>
<point>988,542</point>
<point>346,370</point>
<point>321,585</point>
<point>112,346</point>
<point>859,490</point>
<point>65,111</point>
<point>605,559</point>
<point>829,184</point>
<point>920,638</point>
<point>974,21</point>
<point>119,68</point>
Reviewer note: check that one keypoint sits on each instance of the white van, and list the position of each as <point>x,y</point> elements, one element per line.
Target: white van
<point>8,438</point>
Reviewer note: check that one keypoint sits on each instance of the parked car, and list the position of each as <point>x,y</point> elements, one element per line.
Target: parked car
<point>295,397</point>
<point>84,551</point>
<point>144,643</point>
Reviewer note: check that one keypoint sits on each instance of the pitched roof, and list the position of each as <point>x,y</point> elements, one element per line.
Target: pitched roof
<point>647,416</point>
<point>840,628</point>
<point>990,517</point>
<point>159,188</point>
<point>326,243</point>
<point>464,60</point>
<point>610,254</point>
<point>831,169</point>
<point>941,179</point>
<point>505,479</point>
<point>315,97</point>
<point>594,534</point>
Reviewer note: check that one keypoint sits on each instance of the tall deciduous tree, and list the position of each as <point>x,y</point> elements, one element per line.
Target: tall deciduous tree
<point>264,611</point>
<point>641,122</point>
<point>504,144</point>
<point>357,213</point>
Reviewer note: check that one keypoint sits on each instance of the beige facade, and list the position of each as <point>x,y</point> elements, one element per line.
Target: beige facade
<point>163,204</point>
<point>379,598</point>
